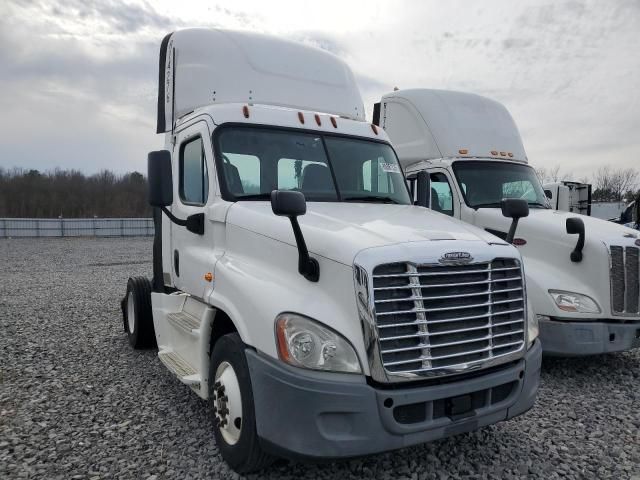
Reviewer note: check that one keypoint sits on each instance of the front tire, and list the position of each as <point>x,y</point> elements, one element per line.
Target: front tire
<point>137,315</point>
<point>232,407</point>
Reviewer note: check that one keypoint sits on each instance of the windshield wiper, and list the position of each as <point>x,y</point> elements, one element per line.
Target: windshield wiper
<point>486,205</point>
<point>254,196</point>
<point>538,204</point>
<point>371,198</point>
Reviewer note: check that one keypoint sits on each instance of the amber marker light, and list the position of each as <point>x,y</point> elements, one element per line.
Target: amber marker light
<point>463,151</point>
<point>245,111</point>
<point>518,242</point>
<point>208,276</point>
<point>503,154</point>
<point>318,121</point>
<point>494,152</point>
<point>374,128</point>
<point>510,154</point>
<point>301,117</point>
<point>283,351</point>
<point>334,122</point>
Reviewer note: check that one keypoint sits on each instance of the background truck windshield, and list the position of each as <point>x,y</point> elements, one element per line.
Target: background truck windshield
<point>256,161</point>
<point>485,184</point>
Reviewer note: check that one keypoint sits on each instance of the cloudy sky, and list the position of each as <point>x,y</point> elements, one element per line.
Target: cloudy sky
<point>78,77</point>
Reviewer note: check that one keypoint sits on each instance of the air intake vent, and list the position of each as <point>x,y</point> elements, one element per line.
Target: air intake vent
<point>625,284</point>
<point>452,317</point>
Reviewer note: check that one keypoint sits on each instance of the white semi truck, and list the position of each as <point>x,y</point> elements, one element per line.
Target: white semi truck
<point>295,286</point>
<point>582,272</point>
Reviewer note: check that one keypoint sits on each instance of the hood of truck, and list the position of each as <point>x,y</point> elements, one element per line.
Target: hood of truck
<point>338,231</point>
<point>547,256</point>
<point>549,226</point>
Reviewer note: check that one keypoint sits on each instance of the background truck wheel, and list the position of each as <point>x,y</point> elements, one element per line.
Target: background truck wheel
<point>231,403</point>
<point>137,315</point>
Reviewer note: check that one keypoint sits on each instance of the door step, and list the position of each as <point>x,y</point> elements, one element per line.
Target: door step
<point>180,368</point>
<point>186,322</point>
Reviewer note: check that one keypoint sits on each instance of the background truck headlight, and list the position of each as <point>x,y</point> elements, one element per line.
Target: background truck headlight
<point>574,302</point>
<point>303,342</point>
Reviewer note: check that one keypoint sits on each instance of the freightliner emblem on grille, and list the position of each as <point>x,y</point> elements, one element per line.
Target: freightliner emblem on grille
<point>456,257</point>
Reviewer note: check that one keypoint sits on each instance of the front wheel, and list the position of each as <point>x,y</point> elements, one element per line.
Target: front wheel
<point>137,315</point>
<point>231,403</point>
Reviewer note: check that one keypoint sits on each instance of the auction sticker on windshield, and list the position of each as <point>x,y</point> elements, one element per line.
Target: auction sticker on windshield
<point>390,167</point>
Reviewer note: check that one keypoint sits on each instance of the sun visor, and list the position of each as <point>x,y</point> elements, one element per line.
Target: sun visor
<point>201,67</point>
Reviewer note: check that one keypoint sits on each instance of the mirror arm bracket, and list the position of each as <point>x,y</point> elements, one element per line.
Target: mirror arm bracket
<point>308,267</point>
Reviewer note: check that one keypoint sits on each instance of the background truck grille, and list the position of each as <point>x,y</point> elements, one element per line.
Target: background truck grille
<point>625,284</point>
<point>440,317</point>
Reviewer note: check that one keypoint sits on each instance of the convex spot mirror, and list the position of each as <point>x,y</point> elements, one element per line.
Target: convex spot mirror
<point>160,178</point>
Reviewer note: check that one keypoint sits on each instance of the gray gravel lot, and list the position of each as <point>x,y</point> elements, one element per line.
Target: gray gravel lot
<point>77,402</point>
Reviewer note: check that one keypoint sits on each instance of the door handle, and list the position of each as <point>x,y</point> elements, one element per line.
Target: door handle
<point>176,262</point>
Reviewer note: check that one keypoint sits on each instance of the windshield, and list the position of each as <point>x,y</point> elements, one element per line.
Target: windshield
<point>485,184</point>
<point>325,168</point>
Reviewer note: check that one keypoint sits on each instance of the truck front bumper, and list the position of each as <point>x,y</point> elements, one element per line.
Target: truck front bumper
<point>305,414</point>
<point>573,339</point>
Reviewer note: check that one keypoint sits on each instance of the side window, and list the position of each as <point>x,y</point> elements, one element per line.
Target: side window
<point>291,173</point>
<point>441,194</point>
<point>242,173</point>
<point>194,178</point>
<point>376,176</point>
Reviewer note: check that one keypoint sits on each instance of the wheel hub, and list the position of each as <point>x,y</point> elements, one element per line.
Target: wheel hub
<point>227,403</point>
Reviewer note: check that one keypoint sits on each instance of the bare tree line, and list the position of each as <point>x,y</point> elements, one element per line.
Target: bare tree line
<point>71,194</point>
<point>608,184</point>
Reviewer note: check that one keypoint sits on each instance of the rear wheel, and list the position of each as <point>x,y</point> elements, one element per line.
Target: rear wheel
<point>137,315</point>
<point>231,403</point>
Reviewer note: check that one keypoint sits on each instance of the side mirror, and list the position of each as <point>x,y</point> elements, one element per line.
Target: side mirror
<point>548,194</point>
<point>575,226</point>
<point>160,178</point>
<point>287,203</point>
<point>423,183</point>
<point>515,208</point>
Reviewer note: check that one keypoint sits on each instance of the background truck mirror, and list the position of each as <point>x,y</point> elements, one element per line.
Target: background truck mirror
<point>515,208</point>
<point>287,203</point>
<point>423,189</point>
<point>548,194</point>
<point>575,226</point>
<point>160,178</point>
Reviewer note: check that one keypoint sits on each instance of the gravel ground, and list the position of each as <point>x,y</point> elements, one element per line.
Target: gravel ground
<point>77,402</point>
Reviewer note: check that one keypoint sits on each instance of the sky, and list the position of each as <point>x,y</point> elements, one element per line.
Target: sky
<point>78,78</point>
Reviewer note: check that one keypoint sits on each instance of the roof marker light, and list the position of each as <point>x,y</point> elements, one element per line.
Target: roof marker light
<point>503,154</point>
<point>374,128</point>
<point>463,151</point>
<point>494,152</point>
<point>245,111</point>
<point>518,242</point>
<point>318,121</point>
<point>334,122</point>
<point>511,154</point>
<point>301,117</point>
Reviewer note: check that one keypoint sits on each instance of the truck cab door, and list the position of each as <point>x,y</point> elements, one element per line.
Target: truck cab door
<point>443,198</point>
<point>194,179</point>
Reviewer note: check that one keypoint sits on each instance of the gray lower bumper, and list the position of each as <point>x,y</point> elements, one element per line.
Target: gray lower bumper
<point>570,339</point>
<point>322,415</point>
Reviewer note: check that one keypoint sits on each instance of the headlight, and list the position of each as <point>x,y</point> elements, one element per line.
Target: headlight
<point>574,302</point>
<point>305,343</point>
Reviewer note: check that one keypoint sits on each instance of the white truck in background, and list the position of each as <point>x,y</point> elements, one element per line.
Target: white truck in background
<point>296,287</point>
<point>573,197</point>
<point>582,273</point>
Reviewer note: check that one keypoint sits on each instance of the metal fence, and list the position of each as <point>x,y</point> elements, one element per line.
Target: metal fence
<point>75,227</point>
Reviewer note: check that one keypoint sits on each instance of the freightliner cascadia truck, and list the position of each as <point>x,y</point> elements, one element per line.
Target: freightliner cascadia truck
<point>295,285</point>
<point>582,272</point>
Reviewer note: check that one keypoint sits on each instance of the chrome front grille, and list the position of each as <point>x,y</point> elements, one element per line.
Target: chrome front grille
<point>448,317</point>
<point>625,280</point>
